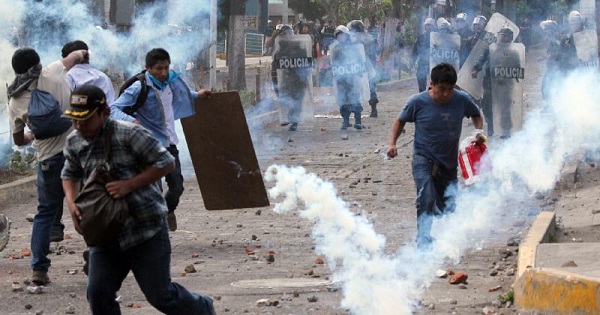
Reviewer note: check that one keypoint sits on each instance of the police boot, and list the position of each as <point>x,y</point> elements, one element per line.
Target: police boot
<point>357,124</point>
<point>373,110</point>
<point>345,112</point>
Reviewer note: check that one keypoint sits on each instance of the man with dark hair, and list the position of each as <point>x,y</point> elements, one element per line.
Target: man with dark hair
<point>169,99</point>
<point>142,246</point>
<point>31,75</point>
<point>438,117</point>
<point>84,73</point>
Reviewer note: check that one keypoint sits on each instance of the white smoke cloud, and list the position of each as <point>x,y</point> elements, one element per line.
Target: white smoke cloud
<point>530,162</point>
<point>183,30</point>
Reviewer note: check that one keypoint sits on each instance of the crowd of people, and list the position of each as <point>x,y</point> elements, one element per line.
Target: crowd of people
<point>143,149</point>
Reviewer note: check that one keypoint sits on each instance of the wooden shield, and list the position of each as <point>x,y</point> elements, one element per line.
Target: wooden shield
<point>223,155</point>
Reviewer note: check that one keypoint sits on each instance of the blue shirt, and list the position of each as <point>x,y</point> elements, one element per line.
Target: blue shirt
<point>438,126</point>
<point>84,73</point>
<point>151,115</point>
<point>133,149</point>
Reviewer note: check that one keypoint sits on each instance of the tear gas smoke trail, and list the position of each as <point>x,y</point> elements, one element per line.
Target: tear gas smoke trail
<point>528,163</point>
<point>373,281</point>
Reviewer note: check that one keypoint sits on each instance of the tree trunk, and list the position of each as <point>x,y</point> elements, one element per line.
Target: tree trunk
<point>235,50</point>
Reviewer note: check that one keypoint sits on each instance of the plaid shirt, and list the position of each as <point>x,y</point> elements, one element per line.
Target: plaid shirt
<point>133,149</point>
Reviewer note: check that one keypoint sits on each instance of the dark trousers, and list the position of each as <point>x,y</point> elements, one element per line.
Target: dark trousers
<point>436,189</point>
<point>174,181</point>
<point>150,264</point>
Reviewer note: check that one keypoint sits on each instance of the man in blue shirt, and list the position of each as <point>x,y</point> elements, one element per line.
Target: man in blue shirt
<point>438,117</point>
<point>168,99</point>
<point>142,246</point>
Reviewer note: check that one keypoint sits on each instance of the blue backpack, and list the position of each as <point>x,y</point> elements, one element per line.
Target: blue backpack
<point>45,116</point>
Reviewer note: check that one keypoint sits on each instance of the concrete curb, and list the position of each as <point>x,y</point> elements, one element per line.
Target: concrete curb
<point>550,290</point>
<point>18,190</point>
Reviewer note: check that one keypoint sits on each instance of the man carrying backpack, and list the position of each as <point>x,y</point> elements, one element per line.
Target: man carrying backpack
<point>166,99</point>
<point>37,97</point>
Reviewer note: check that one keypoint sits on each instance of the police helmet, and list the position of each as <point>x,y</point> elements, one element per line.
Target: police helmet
<point>548,25</point>
<point>356,26</point>
<point>278,27</point>
<point>480,19</point>
<point>462,17</point>
<point>341,29</point>
<point>286,29</point>
<point>575,17</point>
<point>443,24</point>
<point>429,21</point>
<point>506,31</point>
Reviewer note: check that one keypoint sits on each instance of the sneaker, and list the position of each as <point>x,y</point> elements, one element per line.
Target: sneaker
<point>373,113</point>
<point>172,221</point>
<point>293,127</point>
<point>358,126</point>
<point>40,277</point>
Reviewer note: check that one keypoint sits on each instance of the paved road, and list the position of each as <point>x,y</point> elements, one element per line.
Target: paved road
<point>377,195</point>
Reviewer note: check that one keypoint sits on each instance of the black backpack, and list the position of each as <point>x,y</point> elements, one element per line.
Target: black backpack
<point>45,116</point>
<point>141,99</point>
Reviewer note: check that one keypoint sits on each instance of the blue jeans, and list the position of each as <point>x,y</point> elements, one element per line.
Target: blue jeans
<point>174,181</point>
<point>150,265</point>
<point>50,209</point>
<point>435,194</point>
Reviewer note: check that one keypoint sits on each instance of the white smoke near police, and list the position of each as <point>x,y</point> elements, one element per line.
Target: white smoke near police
<point>181,28</point>
<point>528,163</point>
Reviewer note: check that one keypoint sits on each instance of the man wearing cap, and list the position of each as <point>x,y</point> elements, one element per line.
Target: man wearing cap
<point>420,53</point>
<point>505,35</point>
<point>29,75</point>
<point>168,99</point>
<point>84,73</point>
<point>142,246</point>
<point>465,33</point>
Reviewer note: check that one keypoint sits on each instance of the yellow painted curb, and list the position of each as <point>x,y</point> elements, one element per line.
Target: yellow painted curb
<point>552,291</point>
<point>541,231</point>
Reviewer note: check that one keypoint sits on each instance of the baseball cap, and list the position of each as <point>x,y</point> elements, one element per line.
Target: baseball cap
<point>85,101</point>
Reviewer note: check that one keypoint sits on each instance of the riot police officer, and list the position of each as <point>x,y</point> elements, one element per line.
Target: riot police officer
<point>420,53</point>
<point>357,30</point>
<point>465,33</point>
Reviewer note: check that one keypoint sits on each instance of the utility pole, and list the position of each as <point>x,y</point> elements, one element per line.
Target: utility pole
<point>212,54</point>
<point>284,12</point>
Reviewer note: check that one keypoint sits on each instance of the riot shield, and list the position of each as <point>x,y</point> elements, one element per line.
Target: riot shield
<point>507,70</point>
<point>350,78</point>
<point>474,86</point>
<point>586,44</point>
<point>221,149</point>
<point>294,63</point>
<point>444,48</point>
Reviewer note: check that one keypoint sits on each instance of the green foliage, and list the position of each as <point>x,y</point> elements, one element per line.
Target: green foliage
<point>507,297</point>
<point>248,97</point>
<point>22,161</point>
